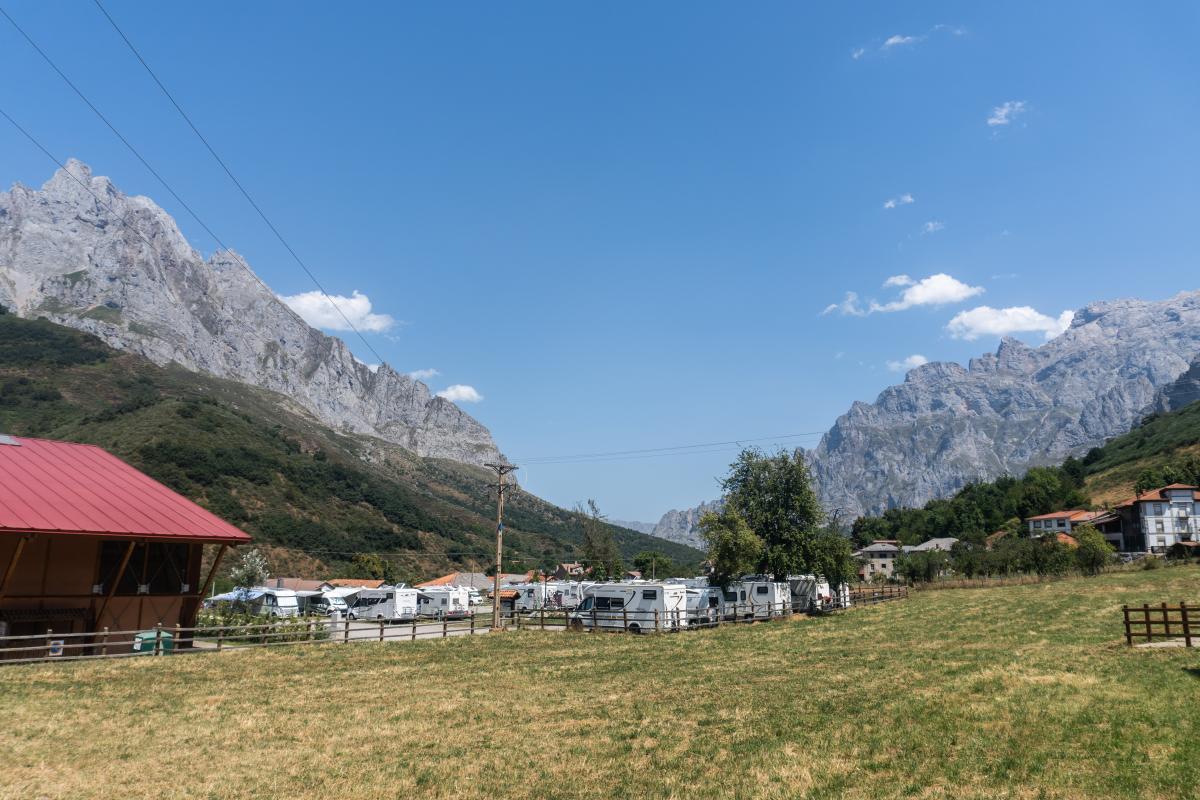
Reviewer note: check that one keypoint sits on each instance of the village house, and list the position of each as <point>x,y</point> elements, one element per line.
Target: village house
<point>1152,522</point>
<point>88,542</point>
<point>878,558</point>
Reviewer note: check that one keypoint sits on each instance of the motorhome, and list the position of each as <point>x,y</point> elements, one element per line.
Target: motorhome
<point>756,597</point>
<point>813,593</point>
<point>322,603</point>
<point>444,602</point>
<point>635,606</point>
<point>705,605</point>
<point>386,602</point>
<point>548,594</point>
<point>274,602</point>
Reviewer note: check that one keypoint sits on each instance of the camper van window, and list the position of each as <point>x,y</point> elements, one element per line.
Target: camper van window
<point>713,602</point>
<point>649,594</point>
<point>731,597</point>
<point>443,601</point>
<point>760,589</point>
<point>391,596</point>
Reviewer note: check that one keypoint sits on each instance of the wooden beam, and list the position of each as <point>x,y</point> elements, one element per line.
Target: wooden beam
<point>212,574</point>
<point>12,564</point>
<point>116,581</point>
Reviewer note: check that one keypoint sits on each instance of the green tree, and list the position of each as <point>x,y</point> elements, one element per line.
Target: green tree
<point>1094,552</point>
<point>599,548</point>
<point>653,564</point>
<point>372,566</point>
<point>775,497</point>
<point>834,558</point>
<point>733,548</point>
<point>922,567</point>
<point>868,529</point>
<point>251,570</point>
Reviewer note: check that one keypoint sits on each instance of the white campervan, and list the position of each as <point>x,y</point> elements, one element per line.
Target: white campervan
<point>636,606</point>
<point>756,597</point>
<point>705,605</point>
<point>275,602</point>
<point>386,602</point>
<point>813,593</point>
<point>444,602</point>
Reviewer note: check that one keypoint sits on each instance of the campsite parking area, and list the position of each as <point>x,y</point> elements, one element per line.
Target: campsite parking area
<point>1017,691</point>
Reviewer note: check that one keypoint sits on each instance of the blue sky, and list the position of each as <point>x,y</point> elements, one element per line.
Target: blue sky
<point>620,224</point>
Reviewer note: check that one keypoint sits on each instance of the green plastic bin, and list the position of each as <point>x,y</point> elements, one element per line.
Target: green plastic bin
<point>143,641</point>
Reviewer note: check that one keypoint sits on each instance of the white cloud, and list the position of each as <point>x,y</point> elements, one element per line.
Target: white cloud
<point>933,226</point>
<point>1004,114</point>
<point>903,200</point>
<point>935,290</point>
<point>898,40</point>
<point>912,362</point>
<point>317,310</point>
<point>858,53</point>
<point>899,280</point>
<point>460,393</point>
<point>424,374</point>
<point>849,306</point>
<point>988,321</point>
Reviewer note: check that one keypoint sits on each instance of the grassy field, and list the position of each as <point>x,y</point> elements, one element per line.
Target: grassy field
<point>1024,691</point>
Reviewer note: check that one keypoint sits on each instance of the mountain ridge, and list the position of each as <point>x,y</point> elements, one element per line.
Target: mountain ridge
<point>122,270</point>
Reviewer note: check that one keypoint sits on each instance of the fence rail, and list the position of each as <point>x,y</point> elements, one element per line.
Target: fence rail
<point>218,637</point>
<point>1161,622</point>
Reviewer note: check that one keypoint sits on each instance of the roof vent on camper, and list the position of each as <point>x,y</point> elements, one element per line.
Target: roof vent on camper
<point>9,440</point>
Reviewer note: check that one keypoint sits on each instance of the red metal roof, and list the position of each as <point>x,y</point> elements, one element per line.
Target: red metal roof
<point>63,487</point>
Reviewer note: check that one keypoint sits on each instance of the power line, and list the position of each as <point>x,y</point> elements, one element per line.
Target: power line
<point>168,186</point>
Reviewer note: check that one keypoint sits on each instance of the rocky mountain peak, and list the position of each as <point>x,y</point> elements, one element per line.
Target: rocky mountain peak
<point>120,268</point>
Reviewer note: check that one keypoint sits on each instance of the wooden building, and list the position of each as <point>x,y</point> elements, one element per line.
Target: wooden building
<point>88,542</point>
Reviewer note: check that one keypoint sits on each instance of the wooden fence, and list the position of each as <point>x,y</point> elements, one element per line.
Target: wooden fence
<point>866,594</point>
<point>1161,622</point>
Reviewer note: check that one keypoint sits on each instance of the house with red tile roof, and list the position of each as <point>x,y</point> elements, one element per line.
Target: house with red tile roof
<point>88,542</point>
<point>1153,521</point>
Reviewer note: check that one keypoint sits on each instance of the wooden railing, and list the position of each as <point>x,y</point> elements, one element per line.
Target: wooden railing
<point>1160,623</point>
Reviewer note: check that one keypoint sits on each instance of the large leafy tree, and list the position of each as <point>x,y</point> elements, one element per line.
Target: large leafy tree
<point>733,549</point>
<point>775,497</point>
<point>1094,552</point>
<point>653,564</point>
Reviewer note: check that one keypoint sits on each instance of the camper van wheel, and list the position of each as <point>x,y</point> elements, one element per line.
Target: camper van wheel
<point>634,628</point>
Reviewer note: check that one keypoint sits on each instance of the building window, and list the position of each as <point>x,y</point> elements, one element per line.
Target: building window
<point>1158,526</point>
<point>1158,509</point>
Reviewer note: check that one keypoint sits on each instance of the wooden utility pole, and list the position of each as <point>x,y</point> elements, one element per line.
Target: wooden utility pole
<point>501,489</point>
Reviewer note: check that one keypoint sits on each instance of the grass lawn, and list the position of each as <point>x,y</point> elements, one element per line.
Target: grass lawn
<point>1024,691</point>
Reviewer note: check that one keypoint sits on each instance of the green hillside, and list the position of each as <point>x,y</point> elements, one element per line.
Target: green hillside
<point>315,496</point>
<point>1164,449</point>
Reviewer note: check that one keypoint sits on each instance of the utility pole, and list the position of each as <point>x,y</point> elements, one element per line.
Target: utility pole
<point>501,490</point>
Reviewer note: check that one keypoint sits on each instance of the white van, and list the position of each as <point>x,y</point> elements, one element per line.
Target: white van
<point>756,597</point>
<point>319,603</point>
<point>636,606</point>
<point>386,602</point>
<point>444,602</point>
<point>277,603</point>
<point>813,593</point>
<point>705,606</point>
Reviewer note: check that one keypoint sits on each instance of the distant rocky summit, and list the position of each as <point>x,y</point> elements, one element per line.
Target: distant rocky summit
<point>681,526</point>
<point>77,261</point>
<point>1020,407</point>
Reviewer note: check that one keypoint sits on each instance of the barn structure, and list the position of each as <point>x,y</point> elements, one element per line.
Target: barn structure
<point>88,542</point>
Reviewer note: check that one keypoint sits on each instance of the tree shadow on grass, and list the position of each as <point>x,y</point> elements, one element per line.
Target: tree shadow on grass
<point>1193,671</point>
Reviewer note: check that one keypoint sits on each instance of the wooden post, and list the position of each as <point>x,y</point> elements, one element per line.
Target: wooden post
<point>624,618</point>
<point>158,639</point>
<point>472,624</point>
<point>445,627</point>
<point>543,615</point>
<point>212,574</point>
<point>1146,619</point>
<point>49,635</point>
<point>1128,633</point>
<point>1187,628</point>
<point>178,635</point>
<point>414,629</point>
<point>12,564</point>
<point>104,642</point>
<point>346,631</point>
<point>656,628</point>
<point>593,619</point>
<point>1166,621</point>
<point>220,638</point>
<point>381,629</point>
<point>116,581</point>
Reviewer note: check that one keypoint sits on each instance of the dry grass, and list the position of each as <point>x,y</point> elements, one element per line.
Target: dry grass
<point>1020,692</point>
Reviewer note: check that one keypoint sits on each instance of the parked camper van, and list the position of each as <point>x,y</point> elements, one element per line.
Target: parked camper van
<point>275,603</point>
<point>705,606</point>
<point>636,606</point>
<point>757,598</point>
<point>322,603</point>
<point>386,602</point>
<point>444,602</point>
<point>813,593</point>
<point>530,596</point>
